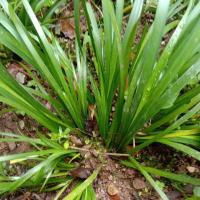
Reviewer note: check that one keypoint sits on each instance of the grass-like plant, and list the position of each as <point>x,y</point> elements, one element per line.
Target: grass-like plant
<point>144,80</point>
<point>49,165</point>
<point>114,68</point>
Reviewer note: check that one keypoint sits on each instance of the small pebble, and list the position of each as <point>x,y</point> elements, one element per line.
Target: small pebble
<point>21,124</point>
<point>191,169</point>
<point>20,77</point>
<point>139,184</point>
<point>112,190</point>
<point>12,145</point>
<point>110,178</point>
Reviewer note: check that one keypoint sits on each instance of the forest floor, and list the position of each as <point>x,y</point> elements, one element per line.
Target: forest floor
<point>129,183</point>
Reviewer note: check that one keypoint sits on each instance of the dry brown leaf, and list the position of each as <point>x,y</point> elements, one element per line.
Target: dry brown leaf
<point>67,28</point>
<point>76,141</point>
<point>81,172</point>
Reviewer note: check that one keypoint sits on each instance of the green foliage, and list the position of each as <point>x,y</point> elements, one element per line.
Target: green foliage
<point>47,169</point>
<point>144,81</point>
<point>50,61</point>
<point>50,165</point>
<point>146,171</point>
<point>147,81</point>
<point>43,8</point>
<point>84,191</point>
<point>197,191</point>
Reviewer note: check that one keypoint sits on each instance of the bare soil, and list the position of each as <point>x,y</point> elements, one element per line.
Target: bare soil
<point>128,183</point>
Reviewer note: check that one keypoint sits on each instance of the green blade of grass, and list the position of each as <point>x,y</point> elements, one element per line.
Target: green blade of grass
<point>181,147</point>
<point>78,190</point>
<point>169,175</point>
<point>149,179</point>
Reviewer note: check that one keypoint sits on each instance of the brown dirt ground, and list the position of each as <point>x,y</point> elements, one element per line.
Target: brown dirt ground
<point>112,172</point>
<point>128,182</point>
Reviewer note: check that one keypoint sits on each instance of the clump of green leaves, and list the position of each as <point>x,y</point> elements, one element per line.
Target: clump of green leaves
<point>49,168</point>
<point>141,80</point>
<point>50,164</point>
<point>145,86</point>
<point>148,83</point>
<point>53,65</point>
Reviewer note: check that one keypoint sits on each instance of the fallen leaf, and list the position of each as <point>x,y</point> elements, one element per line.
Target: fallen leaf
<point>76,141</point>
<point>81,172</point>
<point>67,28</point>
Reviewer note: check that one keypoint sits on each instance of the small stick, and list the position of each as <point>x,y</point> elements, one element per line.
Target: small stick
<point>100,153</point>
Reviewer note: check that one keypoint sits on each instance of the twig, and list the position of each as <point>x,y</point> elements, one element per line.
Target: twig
<point>101,153</point>
<point>97,8</point>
